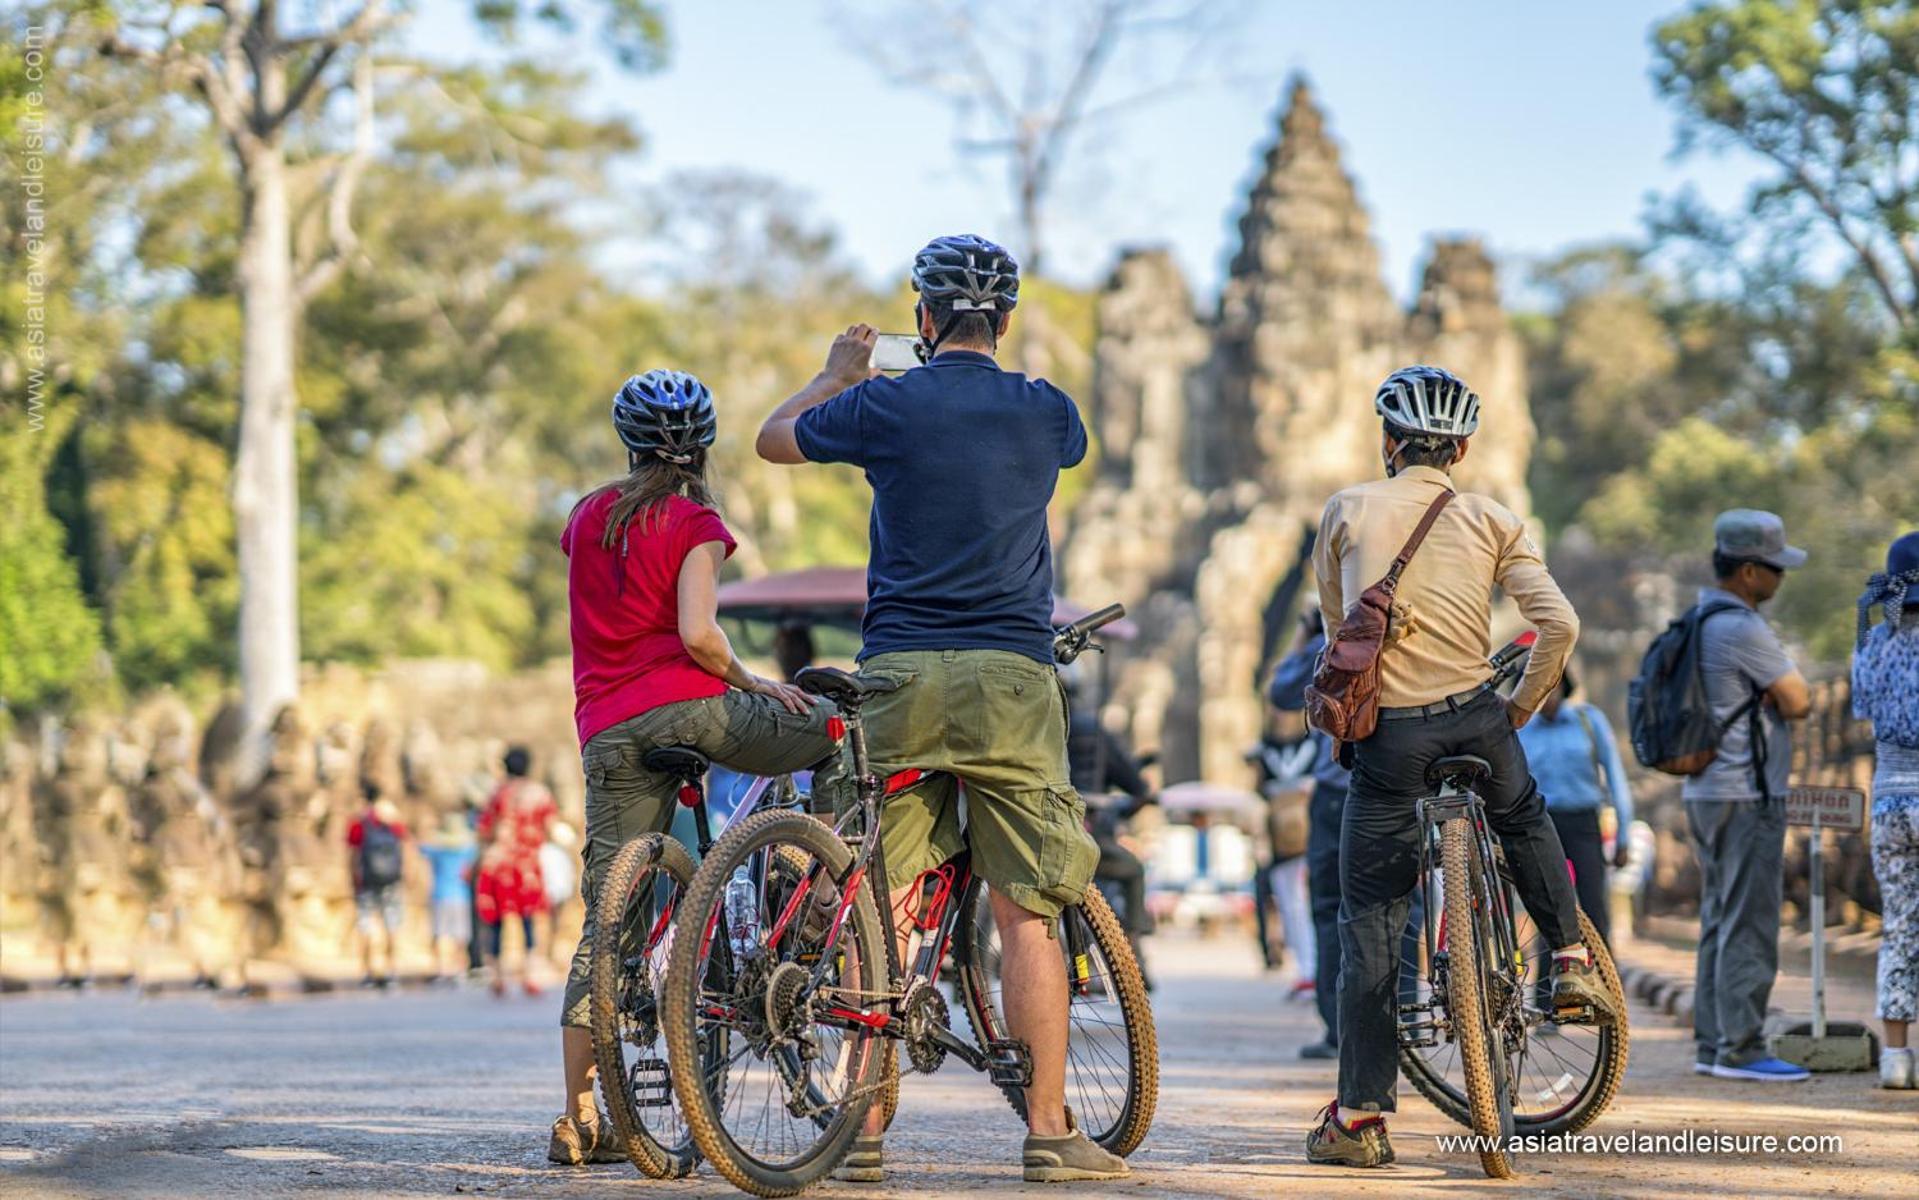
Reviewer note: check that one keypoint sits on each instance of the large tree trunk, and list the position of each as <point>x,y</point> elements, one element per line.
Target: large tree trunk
<point>265,484</point>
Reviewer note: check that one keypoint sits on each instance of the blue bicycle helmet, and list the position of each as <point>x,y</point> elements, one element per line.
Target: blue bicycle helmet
<point>667,413</point>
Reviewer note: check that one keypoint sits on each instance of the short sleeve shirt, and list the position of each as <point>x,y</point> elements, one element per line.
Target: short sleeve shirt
<point>1740,655</point>
<point>963,459</point>
<point>624,610</point>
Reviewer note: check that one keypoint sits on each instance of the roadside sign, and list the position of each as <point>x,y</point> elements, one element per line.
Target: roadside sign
<point>1827,808</point>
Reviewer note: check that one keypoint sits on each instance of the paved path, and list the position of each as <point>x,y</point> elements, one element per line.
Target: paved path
<point>450,1093</point>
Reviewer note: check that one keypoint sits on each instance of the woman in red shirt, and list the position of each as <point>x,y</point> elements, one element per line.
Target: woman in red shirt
<point>652,667</point>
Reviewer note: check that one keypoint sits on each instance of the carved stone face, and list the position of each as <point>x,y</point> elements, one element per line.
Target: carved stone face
<point>83,754</point>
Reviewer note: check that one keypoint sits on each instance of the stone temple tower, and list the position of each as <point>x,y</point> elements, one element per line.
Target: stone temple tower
<point>1222,439</point>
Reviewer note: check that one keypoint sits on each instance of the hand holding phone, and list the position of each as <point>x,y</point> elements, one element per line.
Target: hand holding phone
<point>896,352</point>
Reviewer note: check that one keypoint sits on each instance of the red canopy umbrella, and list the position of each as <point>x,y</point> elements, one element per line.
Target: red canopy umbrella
<point>837,596</point>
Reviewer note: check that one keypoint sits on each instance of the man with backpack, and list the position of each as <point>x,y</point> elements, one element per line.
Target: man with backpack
<point>1405,680</point>
<point>377,837</point>
<point>1712,702</point>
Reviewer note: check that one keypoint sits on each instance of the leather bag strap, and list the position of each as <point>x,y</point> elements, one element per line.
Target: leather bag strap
<point>1418,536</point>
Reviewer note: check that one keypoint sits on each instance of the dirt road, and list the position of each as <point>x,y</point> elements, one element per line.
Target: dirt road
<point>444,1093</point>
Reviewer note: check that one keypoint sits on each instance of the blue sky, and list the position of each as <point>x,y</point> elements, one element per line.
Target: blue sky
<point>1534,125</point>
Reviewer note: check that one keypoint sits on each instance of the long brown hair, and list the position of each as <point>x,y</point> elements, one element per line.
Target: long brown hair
<point>645,488</point>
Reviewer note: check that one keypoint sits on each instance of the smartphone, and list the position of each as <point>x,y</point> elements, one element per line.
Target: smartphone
<point>896,352</point>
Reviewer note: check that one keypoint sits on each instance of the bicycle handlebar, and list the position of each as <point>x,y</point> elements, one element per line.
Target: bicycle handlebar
<point>1069,641</point>
<point>1509,660</point>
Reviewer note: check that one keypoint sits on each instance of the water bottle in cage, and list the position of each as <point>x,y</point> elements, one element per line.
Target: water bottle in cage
<point>743,914</point>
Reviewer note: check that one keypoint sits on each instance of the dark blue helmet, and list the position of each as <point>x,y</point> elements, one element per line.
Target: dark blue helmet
<point>966,274</point>
<point>668,413</point>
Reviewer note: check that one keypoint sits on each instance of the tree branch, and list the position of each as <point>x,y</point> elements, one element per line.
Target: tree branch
<point>343,240</point>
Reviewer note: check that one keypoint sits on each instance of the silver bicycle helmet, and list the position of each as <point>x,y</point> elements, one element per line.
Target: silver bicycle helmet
<point>1428,400</point>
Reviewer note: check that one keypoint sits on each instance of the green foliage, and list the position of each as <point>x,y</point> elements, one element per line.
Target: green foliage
<point>1827,91</point>
<point>48,634</point>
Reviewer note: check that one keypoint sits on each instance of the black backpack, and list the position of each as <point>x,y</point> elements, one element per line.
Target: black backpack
<point>1667,709</point>
<point>379,856</point>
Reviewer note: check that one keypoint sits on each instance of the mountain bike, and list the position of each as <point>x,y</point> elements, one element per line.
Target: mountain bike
<point>789,1002</point>
<point>638,899</point>
<point>1475,1040</point>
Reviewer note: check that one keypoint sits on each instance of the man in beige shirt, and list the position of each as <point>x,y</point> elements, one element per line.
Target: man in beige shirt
<point>1435,700</point>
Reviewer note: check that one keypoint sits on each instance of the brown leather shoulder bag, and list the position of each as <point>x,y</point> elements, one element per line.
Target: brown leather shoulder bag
<point>1343,699</point>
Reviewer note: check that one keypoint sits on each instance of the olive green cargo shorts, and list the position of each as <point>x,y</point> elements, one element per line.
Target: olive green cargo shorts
<point>997,721</point>
<point>742,730</point>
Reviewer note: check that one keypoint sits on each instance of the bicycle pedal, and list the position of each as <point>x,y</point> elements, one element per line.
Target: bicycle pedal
<point>651,1083</point>
<point>1009,1063</point>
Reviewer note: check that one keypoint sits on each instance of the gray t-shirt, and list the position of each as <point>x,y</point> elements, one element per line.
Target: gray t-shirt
<point>1740,655</point>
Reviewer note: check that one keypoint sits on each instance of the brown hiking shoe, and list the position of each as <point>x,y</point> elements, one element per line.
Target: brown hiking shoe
<point>1363,1145</point>
<point>576,1143</point>
<point>1578,985</point>
<point>1069,1157</point>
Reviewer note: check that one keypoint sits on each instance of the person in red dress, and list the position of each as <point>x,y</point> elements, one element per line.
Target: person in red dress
<point>652,667</point>
<point>513,827</point>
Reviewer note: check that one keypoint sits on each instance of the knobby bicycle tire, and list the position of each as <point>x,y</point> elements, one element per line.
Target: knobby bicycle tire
<point>635,861</point>
<point>1466,1002</point>
<point>1122,1135</point>
<point>763,830</point>
<point>1595,1095</point>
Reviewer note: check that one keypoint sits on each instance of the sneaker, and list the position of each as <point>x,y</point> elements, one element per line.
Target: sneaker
<point>863,1163</point>
<point>1068,1157</point>
<point>1319,1050</point>
<point>1701,1066</point>
<point>1363,1145</point>
<point>1896,1069</point>
<point>1578,984</point>
<point>576,1142</point>
<point>1765,1070</point>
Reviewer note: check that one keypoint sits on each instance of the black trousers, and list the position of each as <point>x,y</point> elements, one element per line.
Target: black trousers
<point>1379,867</point>
<point>1585,849</point>
<point>1322,885</point>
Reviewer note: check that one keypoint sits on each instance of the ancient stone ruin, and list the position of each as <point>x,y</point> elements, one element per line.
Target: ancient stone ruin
<point>1221,438</point>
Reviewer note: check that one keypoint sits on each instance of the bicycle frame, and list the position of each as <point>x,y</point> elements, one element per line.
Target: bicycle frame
<point>1505,962</point>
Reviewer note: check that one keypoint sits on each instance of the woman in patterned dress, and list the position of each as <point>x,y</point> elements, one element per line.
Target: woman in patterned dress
<point>1885,691</point>
<point>513,827</point>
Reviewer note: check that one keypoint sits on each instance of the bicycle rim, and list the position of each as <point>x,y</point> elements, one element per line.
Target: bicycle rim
<point>779,1107</point>
<point>1467,1003</point>
<point>1112,1049</point>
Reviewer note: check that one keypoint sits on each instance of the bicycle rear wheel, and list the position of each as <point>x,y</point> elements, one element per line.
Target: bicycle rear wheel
<point>1112,1048</point>
<point>1468,1000</point>
<point>779,1106</point>
<point>631,942</point>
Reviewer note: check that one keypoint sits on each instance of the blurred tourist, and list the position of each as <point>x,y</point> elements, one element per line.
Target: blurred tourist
<point>1885,691</point>
<point>515,824</point>
<point>378,839</point>
<point>450,854</point>
<point>1105,772</point>
<point>560,875</point>
<point>1575,761</point>
<point>1736,805</point>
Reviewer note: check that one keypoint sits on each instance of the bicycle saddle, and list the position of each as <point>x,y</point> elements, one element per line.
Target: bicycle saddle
<point>681,762</point>
<point>847,689</point>
<point>1466,769</point>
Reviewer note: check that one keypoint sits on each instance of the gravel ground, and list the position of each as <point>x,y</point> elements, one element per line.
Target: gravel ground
<point>443,1093</point>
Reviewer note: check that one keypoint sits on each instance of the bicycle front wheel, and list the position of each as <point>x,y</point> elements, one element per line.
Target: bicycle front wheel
<point>1112,1048</point>
<point>1469,1001</point>
<point>1567,1074</point>
<point>631,942</point>
<point>765,950</point>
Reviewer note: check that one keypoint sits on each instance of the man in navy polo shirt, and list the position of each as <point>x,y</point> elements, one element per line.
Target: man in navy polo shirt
<point>963,459</point>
